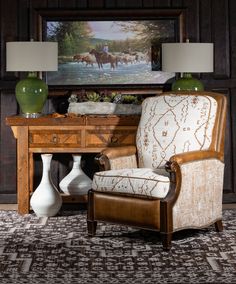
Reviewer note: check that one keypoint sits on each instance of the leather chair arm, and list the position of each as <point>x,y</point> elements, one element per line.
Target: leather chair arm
<point>196,156</point>
<point>106,156</point>
<point>174,167</point>
<point>116,152</point>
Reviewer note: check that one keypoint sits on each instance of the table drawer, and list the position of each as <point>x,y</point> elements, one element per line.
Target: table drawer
<point>110,137</point>
<point>54,138</point>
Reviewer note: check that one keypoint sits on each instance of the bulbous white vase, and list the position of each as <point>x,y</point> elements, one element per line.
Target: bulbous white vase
<point>46,201</point>
<point>76,182</point>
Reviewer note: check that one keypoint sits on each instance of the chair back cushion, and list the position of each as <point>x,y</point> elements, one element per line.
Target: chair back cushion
<point>172,124</point>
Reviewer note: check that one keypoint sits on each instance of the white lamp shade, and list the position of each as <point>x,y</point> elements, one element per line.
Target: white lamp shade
<point>187,57</point>
<point>31,56</point>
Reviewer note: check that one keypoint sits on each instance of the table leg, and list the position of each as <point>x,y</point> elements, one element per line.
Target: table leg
<point>23,193</point>
<point>31,172</point>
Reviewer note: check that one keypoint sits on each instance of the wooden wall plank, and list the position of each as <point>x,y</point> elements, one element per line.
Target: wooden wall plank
<point>161,3</point>
<point>228,176</point>
<point>67,4</point>
<point>220,36</point>
<point>23,21</point>
<point>176,3</point>
<point>206,18</point>
<point>1,44</point>
<point>232,149</point>
<point>35,4</point>
<point>8,106</point>
<point>9,32</point>
<point>232,28</point>
<point>82,4</point>
<point>129,4</point>
<point>110,4</point>
<point>205,27</point>
<point>192,19</point>
<point>148,4</point>
<point>96,4</point>
<point>53,4</point>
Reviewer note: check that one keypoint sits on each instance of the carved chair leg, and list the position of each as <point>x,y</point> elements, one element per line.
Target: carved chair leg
<point>91,223</point>
<point>92,226</point>
<point>219,226</point>
<point>166,241</point>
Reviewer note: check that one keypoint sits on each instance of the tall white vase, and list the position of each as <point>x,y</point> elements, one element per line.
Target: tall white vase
<point>46,201</point>
<point>76,182</point>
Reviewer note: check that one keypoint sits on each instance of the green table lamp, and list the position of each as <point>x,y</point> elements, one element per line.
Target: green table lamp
<point>32,57</point>
<point>187,58</point>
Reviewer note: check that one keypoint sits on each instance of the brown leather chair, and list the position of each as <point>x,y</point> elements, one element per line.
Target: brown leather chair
<point>173,178</point>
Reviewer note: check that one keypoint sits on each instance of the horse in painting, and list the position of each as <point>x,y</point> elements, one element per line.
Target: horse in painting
<point>103,58</point>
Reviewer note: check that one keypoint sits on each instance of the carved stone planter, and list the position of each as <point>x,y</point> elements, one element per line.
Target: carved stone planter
<point>103,108</point>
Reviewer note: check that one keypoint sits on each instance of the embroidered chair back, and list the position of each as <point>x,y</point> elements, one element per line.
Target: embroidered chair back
<point>176,123</point>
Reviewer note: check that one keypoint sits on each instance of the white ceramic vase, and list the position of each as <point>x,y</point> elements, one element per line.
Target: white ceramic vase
<point>46,200</point>
<point>76,182</point>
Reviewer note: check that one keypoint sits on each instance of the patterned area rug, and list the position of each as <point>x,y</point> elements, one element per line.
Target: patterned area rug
<point>57,250</point>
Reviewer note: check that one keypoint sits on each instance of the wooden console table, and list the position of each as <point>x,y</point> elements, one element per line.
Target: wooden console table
<point>47,134</point>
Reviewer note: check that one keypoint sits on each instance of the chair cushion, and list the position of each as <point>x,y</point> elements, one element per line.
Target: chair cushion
<point>141,181</point>
<point>172,124</point>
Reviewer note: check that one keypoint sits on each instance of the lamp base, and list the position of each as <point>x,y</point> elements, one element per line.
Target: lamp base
<point>187,83</point>
<point>31,115</point>
<point>31,94</point>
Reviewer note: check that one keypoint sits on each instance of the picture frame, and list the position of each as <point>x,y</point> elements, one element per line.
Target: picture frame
<point>138,28</point>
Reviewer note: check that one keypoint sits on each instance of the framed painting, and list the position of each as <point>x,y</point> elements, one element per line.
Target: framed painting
<point>110,48</point>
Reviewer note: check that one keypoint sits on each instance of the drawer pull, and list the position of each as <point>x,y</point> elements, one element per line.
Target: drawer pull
<point>114,139</point>
<point>54,138</point>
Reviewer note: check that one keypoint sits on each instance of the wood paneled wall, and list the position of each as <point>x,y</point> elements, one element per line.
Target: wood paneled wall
<point>206,21</point>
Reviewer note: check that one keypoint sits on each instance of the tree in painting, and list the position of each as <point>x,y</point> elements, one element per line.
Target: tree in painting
<point>72,37</point>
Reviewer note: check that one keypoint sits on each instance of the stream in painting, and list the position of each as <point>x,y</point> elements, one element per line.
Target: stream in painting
<point>81,73</point>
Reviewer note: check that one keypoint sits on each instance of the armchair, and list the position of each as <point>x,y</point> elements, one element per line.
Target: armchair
<point>173,178</point>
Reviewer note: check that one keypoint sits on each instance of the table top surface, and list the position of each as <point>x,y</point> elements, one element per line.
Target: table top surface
<point>60,119</point>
